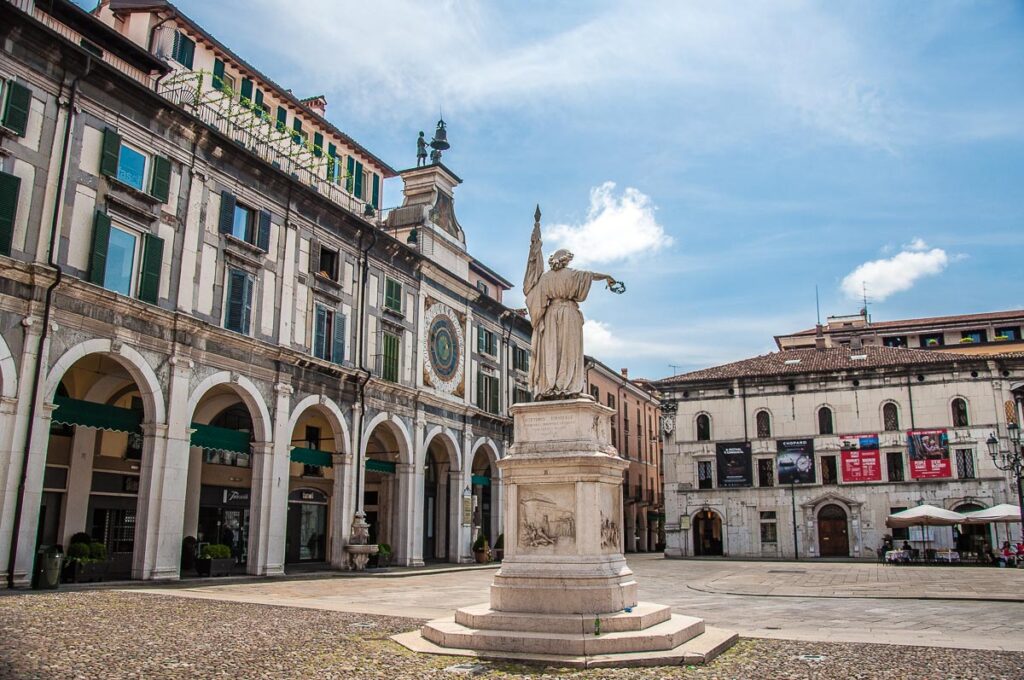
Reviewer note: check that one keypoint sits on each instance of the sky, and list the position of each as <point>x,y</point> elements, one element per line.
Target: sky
<point>724,160</point>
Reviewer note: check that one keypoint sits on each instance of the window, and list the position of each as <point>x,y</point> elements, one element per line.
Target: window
<point>17,102</point>
<point>764,424</point>
<point>703,428</point>
<point>238,308</point>
<point>611,401</point>
<point>392,295</point>
<point>769,528</point>
<point>327,263</point>
<point>825,425</point>
<point>10,187</point>
<point>389,363</point>
<point>244,223</point>
<point>318,144</point>
<point>890,417</point>
<point>704,474</point>
<point>487,392</point>
<point>219,80</point>
<point>894,464</point>
<point>968,337</point>
<point>114,261</point>
<point>595,392</point>
<point>965,463</point>
<point>328,335</point>
<point>1011,333</point>
<point>134,168</point>
<point>521,360</point>
<point>354,177</point>
<point>282,119</point>
<point>334,171</point>
<point>298,136</point>
<point>482,287</point>
<point>765,472</point>
<point>895,341</point>
<point>933,340</point>
<point>829,474</point>
<point>184,49</point>
<point>520,395</point>
<point>959,412</point>
<point>901,534</point>
<point>486,341</point>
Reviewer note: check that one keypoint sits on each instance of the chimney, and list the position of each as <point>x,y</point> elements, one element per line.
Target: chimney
<point>625,373</point>
<point>316,104</point>
<point>856,343</point>
<point>819,338</point>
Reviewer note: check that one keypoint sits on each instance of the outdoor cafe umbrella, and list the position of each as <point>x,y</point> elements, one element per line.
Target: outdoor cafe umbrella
<point>923,516</point>
<point>1004,513</point>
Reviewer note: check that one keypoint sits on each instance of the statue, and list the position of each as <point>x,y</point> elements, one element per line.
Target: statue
<point>421,150</point>
<point>552,298</point>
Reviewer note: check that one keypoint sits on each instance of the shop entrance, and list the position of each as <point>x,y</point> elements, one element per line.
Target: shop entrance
<point>833,533</point>
<point>307,526</point>
<point>707,534</point>
<point>224,519</point>
<point>973,537</point>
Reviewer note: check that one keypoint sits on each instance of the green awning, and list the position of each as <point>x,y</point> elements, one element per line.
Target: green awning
<point>385,466</point>
<point>312,457</point>
<point>98,416</point>
<point>480,480</point>
<point>220,439</point>
<point>656,516</point>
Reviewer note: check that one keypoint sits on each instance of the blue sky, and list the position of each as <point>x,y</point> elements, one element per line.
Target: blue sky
<point>720,158</point>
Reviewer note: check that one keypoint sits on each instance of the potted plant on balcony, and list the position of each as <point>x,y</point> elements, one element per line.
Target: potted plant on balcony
<point>1002,338</point>
<point>215,560</point>
<point>966,341</point>
<point>481,550</point>
<point>499,548</point>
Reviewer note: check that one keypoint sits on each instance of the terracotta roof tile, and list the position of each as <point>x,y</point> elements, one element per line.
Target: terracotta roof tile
<point>921,322</point>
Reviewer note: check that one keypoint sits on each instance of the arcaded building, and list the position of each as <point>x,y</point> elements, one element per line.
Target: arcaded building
<point>213,325</point>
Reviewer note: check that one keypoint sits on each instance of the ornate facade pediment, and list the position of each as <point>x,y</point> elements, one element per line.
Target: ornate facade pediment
<point>831,497</point>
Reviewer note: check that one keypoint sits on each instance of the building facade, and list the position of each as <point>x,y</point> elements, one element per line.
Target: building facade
<point>636,433</point>
<point>208,328</point>
<point>805,452</point>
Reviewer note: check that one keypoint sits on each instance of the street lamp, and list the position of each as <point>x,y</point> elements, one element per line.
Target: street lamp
<point>1010,460</point>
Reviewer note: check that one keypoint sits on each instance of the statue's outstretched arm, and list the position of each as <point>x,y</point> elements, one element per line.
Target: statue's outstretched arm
<point>535,262</point>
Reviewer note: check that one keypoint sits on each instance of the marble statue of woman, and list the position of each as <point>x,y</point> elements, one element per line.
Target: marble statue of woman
<point>552,298</point>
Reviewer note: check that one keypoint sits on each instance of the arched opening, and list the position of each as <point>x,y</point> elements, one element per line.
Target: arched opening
<point>703,427</point>
<point>764,424</point>
<point>384,487</point>
<point>833,532</point>
<point>93,466</point>
<point>959,412</point>
<point>485,518</point>
<point>972,537</point>
<point>314,441</point>
<point>825,423</point>
<point>707,534</point>
<point>890,417</point>
<point>219,498</point>
<point>438,504</point>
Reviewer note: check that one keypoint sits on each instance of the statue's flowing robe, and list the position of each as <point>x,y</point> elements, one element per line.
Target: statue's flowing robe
<point>556,371</point>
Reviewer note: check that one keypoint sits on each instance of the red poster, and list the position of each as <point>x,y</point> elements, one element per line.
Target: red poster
<point>860,458</point>
<point>929,454</point>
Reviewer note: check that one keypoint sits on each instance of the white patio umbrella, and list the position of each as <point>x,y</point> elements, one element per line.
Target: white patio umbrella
<point>923,516</point>
<point>1004,513</point>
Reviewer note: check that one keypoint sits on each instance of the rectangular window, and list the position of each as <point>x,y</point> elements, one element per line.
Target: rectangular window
<point>704,474</point>
<point>238,306</point>
<point>10,187</point>
<point>243,223</point>
<point>121,252</point>
<point>765,472</point>
<point>895,341</point>
<point>901,534</point>
<point>318,144</point>
<point>933,340</point>
<point>486,341</point>
<point>769,528</point>
<point>1011,333</point>
<point>487,392</point>
<point>328,263</point>
<point>328,334</point>
<point>183,50</point>
<point>17,102</point>
<point>218,75</point>
<point>521,360</point>
<point>829,474</point>
<point>389,363</point>
<point>894,464</point>
<point>482,287</point>
<point>611,401</point>
<point>298,136</point>
<point>595,392</point>
<point>968,337</point>
<point>519,395</point>
<point>965,463</point>
<point>334,173</point>
<point>392,295</point>
<point>282,119</point>
<point>131,167</point>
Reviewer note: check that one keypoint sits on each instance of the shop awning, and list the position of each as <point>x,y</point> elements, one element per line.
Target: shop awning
<point>655,516</point>
<point>215,438</point>
<point>385,466</point>
<point>97,416</point>
<point>480,480</point>
<point>312,457</point>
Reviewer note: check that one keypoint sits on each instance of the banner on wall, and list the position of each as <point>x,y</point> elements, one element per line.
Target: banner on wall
<point>929,453</point>
<point>860,457</point>
<point>735,465</point>
<point>796,461</point>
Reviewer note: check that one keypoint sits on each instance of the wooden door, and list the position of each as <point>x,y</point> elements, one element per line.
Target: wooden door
<point>833,532</point>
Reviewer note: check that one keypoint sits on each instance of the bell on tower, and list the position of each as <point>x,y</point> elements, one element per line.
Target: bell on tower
<point>440,142</point>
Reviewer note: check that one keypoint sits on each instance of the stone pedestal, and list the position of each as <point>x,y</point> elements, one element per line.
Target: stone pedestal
<point>564,593</point>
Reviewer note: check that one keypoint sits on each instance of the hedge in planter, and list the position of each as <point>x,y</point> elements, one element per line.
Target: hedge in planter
<point>215,560</point>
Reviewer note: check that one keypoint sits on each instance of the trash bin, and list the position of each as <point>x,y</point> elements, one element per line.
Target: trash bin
<point>47,572</point>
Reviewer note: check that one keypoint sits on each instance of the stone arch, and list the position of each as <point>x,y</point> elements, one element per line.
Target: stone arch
<point>8,372</point>
<point>132,361</point>
<point>331,411</point>
<point>398,428</point>
<point>491,448</point>
<point>697,417</point>
<point>249,395</point>
<point>453,448</point>
<point>706,540</point>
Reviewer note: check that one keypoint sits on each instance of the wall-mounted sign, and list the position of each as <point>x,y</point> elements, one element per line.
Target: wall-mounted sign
<point>684,522</point>
<point>735,467</point>
<point>929,453</point>
<point>860,457</point>
<point>467,511</point>
<point>796,461</point>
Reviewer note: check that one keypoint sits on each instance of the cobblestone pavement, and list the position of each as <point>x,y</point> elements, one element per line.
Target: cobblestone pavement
<point>116,634</point>
<point>682,584</point>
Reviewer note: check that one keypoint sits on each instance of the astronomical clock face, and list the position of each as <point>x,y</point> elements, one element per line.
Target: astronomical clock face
<point>443,368</point>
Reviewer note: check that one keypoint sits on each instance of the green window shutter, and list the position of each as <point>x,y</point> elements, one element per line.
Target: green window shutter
<point>282,119</point>
<point>390,368</point>
<point>258,103</point>
<point>247,287</point>
<point>333,167</point>
<point>184,50</point>
<point>338,345</point>
<point>160,185</point>
<point>152,261</point>
<point>359,180</point>
<point>480,390</point>
<point>218,75</point>
<point>19,101</point>
<point>320,333</point>
<point>100,242</point>
<point>494,383</point>
<point>111,153</point>
<point>481,343</point>
<point>245,90</point>
<point>227,212</point>
<point>375,196</point>
<point>393,295</point>
<point>239,301</point>
<point>9,188</point>
<point>350,172</point>
<point>297,126</point>
<point>318,144</point>
<point>263,235</point>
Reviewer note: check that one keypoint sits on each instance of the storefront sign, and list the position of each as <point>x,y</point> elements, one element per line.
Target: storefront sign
<point>929,453</point>
<point>684,522</point>
<point>796,461</point>
<point>735,467</point>
<point>236,495</point>
<point>861,459</point>
<point>467,511</point>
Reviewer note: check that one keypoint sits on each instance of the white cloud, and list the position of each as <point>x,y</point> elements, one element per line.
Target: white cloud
<point>895,274</point>
<point>617,228</point>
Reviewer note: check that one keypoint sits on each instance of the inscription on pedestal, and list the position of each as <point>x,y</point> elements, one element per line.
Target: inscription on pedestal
<point>549,427</point>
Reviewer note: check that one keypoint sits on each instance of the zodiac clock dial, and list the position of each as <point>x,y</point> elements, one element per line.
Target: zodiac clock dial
<point>443,349</point>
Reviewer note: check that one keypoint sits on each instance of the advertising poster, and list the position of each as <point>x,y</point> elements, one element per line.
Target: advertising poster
<point>929,453</point>
<point>796,461</point>
<point>735,465</point>
<point>860,458</point>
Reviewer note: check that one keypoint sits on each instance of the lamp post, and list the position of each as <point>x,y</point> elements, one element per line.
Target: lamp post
<point>1010,460</point>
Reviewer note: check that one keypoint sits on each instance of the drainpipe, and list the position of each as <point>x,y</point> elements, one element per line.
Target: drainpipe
<point>364,275</point>
<point>51,260</point>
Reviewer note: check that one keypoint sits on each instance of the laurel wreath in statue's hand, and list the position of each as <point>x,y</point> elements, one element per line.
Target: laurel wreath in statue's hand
<point>617,287</point>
